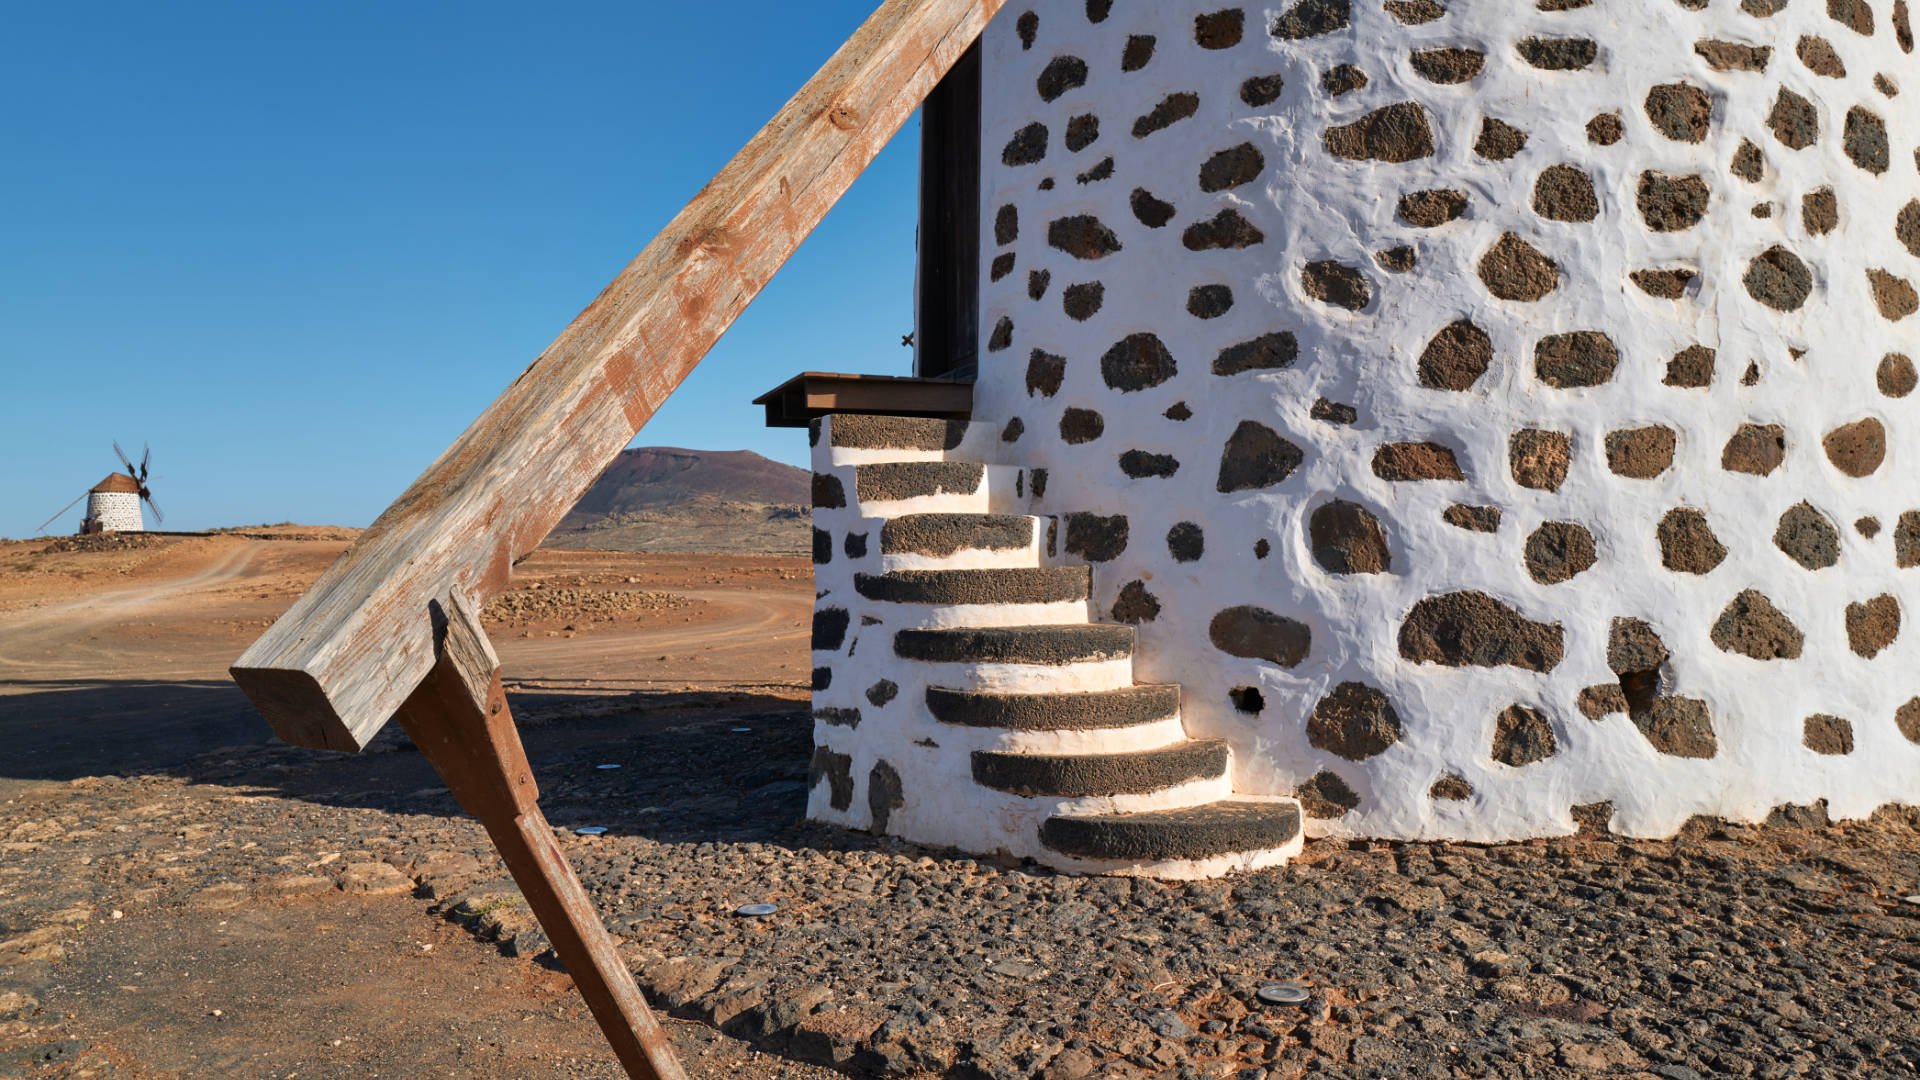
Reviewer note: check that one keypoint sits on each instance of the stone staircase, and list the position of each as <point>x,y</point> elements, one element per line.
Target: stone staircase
<point>960,680</point>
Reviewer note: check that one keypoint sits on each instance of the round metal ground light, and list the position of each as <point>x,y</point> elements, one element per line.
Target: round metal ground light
<point>1282,993</point>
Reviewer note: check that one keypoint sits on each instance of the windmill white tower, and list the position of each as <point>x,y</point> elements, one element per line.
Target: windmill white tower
<point>113,504</point>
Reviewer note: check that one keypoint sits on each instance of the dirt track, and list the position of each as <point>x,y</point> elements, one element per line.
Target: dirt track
<point>114,662</point>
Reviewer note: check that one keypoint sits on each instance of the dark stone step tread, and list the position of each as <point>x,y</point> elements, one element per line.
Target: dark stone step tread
<point>889,481</point>
<point>1077,775</point>
<point>1199,832</point>
<point>1079,710</point>
<point>857,431</point>
<point>1000,585</point>
<point>947,534</point>
<point>1064,644</point>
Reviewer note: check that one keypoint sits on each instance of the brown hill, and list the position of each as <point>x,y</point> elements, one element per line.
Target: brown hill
<point>663,498</point>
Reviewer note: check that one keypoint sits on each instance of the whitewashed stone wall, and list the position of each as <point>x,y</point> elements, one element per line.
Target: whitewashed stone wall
<point>1491,416</point>
<point>115,511</point>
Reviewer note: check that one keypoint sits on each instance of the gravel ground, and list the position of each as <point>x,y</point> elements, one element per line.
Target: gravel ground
<point>1772,951</point>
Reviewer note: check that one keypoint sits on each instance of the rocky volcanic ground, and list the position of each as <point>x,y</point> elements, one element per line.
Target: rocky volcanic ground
<point>259,911</point>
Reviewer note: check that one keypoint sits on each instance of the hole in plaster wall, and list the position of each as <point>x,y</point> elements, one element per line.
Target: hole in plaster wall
<point>1642,689</point>
<point>1247,699</point>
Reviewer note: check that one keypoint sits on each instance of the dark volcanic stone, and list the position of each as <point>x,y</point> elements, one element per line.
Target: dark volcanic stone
<point>1333,412</point>
<point>1232,167</point>
<point>1137,362</point>
<point>1082,130</point>
<point>1082,236</point>
<point>1137,53</point>
<point>1678,727</point>
<point>1087,775</point>
<point>1144,703</point>
<point>1096,538</point>
<point>1002,265</point>
<point>1817,53</point>
<point>1171,110</point>
<point>1255,456</point>
<point>1856,449</point>
<point>1006,224</point>
<point>1565,193</point>
<point>1777,278</point>
<point>1907,719</point>
<point>1325,795</point>
<point>1733,56</point>
<point>1896,376</point>
<point>1178,411</point>
<point>1209,301</point>
<point>1756,449</point>
<point>1807,537</point>
<point>1498,140</point>
<point>1141,465</point>
<point>1186,542</point>
<point>882,692</point>
<point>1597,702</point>
<point>1336,283</point>
<point>1193,833</point>
<point>822,546</point>
<point>1456,357</point>
<point>1415,12</point>
<point>1748,162</point>
<point>1268,352</point>
<point>1343,79</point>
<point>1522,736</point>
<point>1347,539</point>
<point>1605,129</point>
<point>1906,224</point>
<point>1398,259</point>
<point>941,535</point>
<point>1513,269</point>
<point>1893,296</point>
<point>1680,111</point>
<point>1447,65</point>
<point>1393,134</point>
<point>1431,208</point>
<point>1558,551</point>
<point>1557,54</point>
<point>1451,788</point>
<point>1355,721</point>
<point>1691,367</point>
<point>1687,543</point>
<point>1062,73</point>
<point>1671,203</point>
<point>1577,359</point>
<point>1148,210</point>
<point>1226,230</point>
<point>884,794</point>
<point>1027,146</point>
<point>1262,90</point>
<point>1313,18</point>
<point>1484,519</point>
<point>1254,633</point>
<point>1826,734</point>
<point>830,628</point>
<point>856,545</point>
<point>1055,645</point>
<point>1082,301</point>
<point>828,493</point>
<point>822,677</point>
<point>1037,281</point>
<point>1220,29</point>
<point>1098,172</point>
<point>1416,461</point>
<point>1872,625</point>
<point>1044,372</point>
<point>837,771</point>
<point>1640,453</point>
<point>1135,604</point>
<point>1751,626</point>
<point>996,585</point>
<point>1633,647</point>
<point>1794,120</point>
<point>1472,629</point>
<point>1906,540</point>
<point>1002,336</point>
<point>1855,15</point>
<point>1539,459</point>
<point>1664,284</point>
<point>1027,26</point>
<point>1079,425</point>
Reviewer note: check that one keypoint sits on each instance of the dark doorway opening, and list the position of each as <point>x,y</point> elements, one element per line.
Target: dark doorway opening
<point>949,280</point>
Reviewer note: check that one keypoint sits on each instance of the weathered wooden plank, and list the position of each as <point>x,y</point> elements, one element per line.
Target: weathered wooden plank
<point>333,668</point>
<point>458,717</point>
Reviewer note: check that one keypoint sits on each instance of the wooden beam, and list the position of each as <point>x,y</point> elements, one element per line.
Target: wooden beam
<point>458,718</point>
<point>333,668</point>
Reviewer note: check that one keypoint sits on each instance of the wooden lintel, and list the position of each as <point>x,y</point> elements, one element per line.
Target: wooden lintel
<point>813,394</point>
<point>334,668</point>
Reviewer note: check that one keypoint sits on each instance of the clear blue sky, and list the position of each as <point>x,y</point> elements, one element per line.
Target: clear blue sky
<point>299,247</point>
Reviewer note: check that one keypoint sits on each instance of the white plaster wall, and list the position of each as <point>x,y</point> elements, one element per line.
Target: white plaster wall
<point>116,511</point>
<point>1312,206</point>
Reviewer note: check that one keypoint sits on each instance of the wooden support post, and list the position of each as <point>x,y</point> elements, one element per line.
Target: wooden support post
<point>458,718</point>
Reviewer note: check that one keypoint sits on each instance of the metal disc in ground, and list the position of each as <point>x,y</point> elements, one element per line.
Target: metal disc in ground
<point>754,910</point>
<point>1283,993</point>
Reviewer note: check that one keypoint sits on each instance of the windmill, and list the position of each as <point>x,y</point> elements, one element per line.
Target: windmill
<point>113,504</point>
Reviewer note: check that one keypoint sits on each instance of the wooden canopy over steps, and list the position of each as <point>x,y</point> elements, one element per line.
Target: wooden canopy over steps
<point>812,394</point>
<point>389,624</point>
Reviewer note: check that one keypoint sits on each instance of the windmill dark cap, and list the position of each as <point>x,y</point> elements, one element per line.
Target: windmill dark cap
<point>116,482</point>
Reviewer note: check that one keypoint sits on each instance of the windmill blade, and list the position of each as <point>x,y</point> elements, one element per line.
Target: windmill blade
<point>64,509</point>
<point>146,455</point>
<point>122,454</point>
<point>158,517</point>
